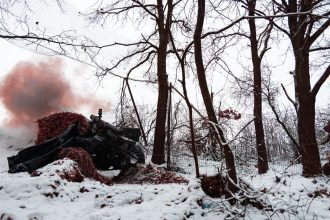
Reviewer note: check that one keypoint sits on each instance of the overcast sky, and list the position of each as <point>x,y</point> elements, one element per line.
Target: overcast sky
<point>11,54</point>
<point>80,76</point>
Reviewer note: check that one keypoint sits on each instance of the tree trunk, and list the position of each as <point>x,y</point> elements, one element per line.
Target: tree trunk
<point>306,116</point>
<point>191,122</point>
<point>229,156</point>
<point>158,153</point>
<point>258,123</point>
<point>257,110</point>
<point>302,37</point>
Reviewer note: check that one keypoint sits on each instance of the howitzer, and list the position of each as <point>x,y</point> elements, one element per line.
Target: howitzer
<point>122,147</point>
<point>99,126</point>
<point>107,145</point>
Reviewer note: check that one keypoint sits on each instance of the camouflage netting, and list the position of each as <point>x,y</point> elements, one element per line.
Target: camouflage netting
<point>85,163</point>
<point>148,174</point>
<point>55,124</point>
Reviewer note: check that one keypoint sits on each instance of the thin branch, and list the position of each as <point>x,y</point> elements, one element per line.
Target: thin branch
<point>198,112</point>
<point>320,82</point>
<point>292,14</point>
<point>319,31</point>
<point>319,48</point>
<point>247,124</point>
<point>290,99</point>
<point>282,123</point>
<point>145,7</point>
<point>140,63</point>
<point>223,29</point>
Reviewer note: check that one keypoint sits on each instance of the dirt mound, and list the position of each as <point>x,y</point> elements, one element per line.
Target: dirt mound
<point>214,186</point>
<point>66,169</point>
<point>73,165</point>
<point>72,175</point>
<point>55,124</point>
<point>148,174</point>
<point>85,163</point>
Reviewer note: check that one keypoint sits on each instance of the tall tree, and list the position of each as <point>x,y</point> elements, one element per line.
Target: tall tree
<point>257,81</point>
<point>305,27</point>
<point>164,27</point>
<point>229,156</point>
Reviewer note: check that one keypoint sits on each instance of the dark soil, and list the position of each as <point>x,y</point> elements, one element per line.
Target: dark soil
<point>213,186</point>
<point>147,174</point>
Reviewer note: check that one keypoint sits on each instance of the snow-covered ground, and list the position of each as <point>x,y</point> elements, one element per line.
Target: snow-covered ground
<point>48,196</point>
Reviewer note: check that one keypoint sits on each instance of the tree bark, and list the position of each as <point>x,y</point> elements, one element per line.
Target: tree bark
<point>164,26</point>
<point>301,40</point>
<point>257,110</point>
<point>306,116</point>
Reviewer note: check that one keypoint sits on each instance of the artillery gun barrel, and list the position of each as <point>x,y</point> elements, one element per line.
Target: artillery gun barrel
<point>104,124</point>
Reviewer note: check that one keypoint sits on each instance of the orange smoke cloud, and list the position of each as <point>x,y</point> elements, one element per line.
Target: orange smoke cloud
<point>33,90</point>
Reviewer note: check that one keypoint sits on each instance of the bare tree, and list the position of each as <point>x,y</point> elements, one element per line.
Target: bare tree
<point>229,156</point>
<point>256,42</point>
<point>164,28</point>
<point>305,29</point>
